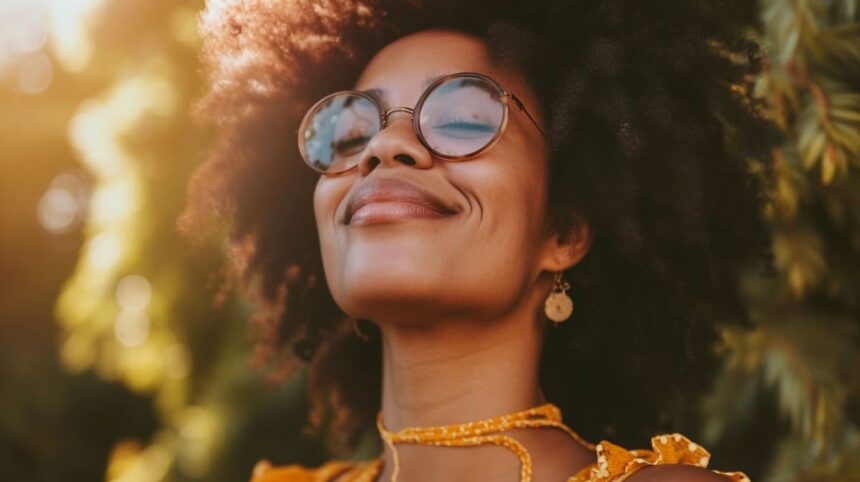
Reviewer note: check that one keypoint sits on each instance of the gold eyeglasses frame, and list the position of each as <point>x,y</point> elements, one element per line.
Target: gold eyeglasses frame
<point>384,115</point>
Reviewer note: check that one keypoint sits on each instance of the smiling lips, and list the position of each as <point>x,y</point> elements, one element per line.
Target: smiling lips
<point>387,200</point>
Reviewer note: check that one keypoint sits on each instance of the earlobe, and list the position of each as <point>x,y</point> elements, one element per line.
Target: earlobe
<point>569,249</point>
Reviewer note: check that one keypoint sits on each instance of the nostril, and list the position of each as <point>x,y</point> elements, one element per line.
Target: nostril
<point>405,159</point>
<point>373,162</point>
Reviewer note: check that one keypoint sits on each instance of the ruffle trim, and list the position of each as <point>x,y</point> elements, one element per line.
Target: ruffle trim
<point>615,463</point>
<point>354,471</point>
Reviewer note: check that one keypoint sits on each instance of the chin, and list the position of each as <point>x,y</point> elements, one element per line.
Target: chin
<point>394,283</point>
<point>374,291</point>
<point>376,277</point>
<point>392,262</point>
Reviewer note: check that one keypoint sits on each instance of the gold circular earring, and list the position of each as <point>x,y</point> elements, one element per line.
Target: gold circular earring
<point>358,331</point>
<point>558,305</point>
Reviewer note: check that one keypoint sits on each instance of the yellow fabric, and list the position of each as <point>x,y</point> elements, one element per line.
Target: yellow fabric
<point>612,464</point>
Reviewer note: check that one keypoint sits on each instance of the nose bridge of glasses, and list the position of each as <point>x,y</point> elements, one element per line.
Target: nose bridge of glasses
<point>386,115</point>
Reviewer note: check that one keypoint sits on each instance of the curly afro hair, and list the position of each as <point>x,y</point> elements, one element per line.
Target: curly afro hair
<point>656,141</point>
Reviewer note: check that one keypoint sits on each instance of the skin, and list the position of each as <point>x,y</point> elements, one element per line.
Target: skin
<point>459,300</point>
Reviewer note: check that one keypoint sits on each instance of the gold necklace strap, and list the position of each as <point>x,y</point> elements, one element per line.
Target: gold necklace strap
<point>413,437</point>
<point>475,433</point>
<point>553,423</point>
<point>502,440</point>
<point>388,439</point>
<point>544,412</point>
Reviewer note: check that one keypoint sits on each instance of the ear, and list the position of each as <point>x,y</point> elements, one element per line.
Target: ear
<point>561,251</point>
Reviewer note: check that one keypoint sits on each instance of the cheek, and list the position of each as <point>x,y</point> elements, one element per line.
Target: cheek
<point>513,184</point>
<point>325,201</point>
<point>328,195</point>
<point>499,248</point>
<point>509,200</point>
<point>501,243</point>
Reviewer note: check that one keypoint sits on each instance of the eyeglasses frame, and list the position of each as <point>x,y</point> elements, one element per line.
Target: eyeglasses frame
<point>384,115</point>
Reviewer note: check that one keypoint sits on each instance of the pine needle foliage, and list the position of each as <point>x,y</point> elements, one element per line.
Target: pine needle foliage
<point>803,352</point>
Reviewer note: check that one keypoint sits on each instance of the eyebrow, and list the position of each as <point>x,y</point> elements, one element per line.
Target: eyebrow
<point>380,94</point>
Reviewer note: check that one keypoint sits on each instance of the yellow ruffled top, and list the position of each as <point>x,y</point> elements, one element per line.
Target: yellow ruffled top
<point>612,464</point>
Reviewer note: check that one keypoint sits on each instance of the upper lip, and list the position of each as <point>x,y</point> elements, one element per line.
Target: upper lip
<point>392,190</point>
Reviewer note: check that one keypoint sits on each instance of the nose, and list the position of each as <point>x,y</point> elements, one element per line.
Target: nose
<point>397,143</point>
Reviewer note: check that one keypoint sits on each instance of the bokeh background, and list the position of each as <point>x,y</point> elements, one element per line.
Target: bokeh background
<point>124,358</point>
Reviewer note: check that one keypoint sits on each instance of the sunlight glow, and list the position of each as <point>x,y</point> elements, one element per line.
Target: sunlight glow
<point>61,207</point>
<point>69,22</point>
<point>131,328</point>
<point>133,293</point>
<point>35,73</point>
<point>103,251</point>
<point>114,201</point>
<point>23,34</point>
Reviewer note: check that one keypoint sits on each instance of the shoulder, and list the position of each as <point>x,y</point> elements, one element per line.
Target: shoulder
<point>671,458</point>
<point>330,471</point>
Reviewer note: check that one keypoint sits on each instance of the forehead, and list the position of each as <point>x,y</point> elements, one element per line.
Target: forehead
<point>404,68</point>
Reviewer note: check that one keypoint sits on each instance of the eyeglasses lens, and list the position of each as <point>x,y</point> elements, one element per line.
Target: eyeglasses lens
<point>458,117</point>
<point>461,116</point>
<point>337,130</point>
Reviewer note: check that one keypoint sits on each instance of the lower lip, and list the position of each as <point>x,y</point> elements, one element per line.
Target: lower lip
<point>391,212</point>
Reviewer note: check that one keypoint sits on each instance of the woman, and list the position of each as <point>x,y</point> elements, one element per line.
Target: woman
<point>419,191</point>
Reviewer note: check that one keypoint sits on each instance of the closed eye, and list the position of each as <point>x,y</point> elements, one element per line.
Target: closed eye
<point>350,145</point>
<point>463,128</point>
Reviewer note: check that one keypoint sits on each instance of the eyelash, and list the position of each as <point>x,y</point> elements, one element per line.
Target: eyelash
<point>350,142</point>
<point>466,122</point>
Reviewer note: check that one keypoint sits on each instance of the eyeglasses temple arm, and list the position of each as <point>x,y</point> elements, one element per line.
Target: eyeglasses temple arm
<point>522,108</point>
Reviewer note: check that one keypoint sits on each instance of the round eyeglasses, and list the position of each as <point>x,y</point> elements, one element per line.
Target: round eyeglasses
<point>458,117</point>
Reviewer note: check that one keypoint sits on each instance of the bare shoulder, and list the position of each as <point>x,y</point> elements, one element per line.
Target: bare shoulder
<point>675,473</point>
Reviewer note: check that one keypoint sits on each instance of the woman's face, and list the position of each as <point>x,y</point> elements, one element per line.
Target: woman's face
<point>480,261</point>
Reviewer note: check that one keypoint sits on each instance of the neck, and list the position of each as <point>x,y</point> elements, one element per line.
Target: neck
<point>456,371</point>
